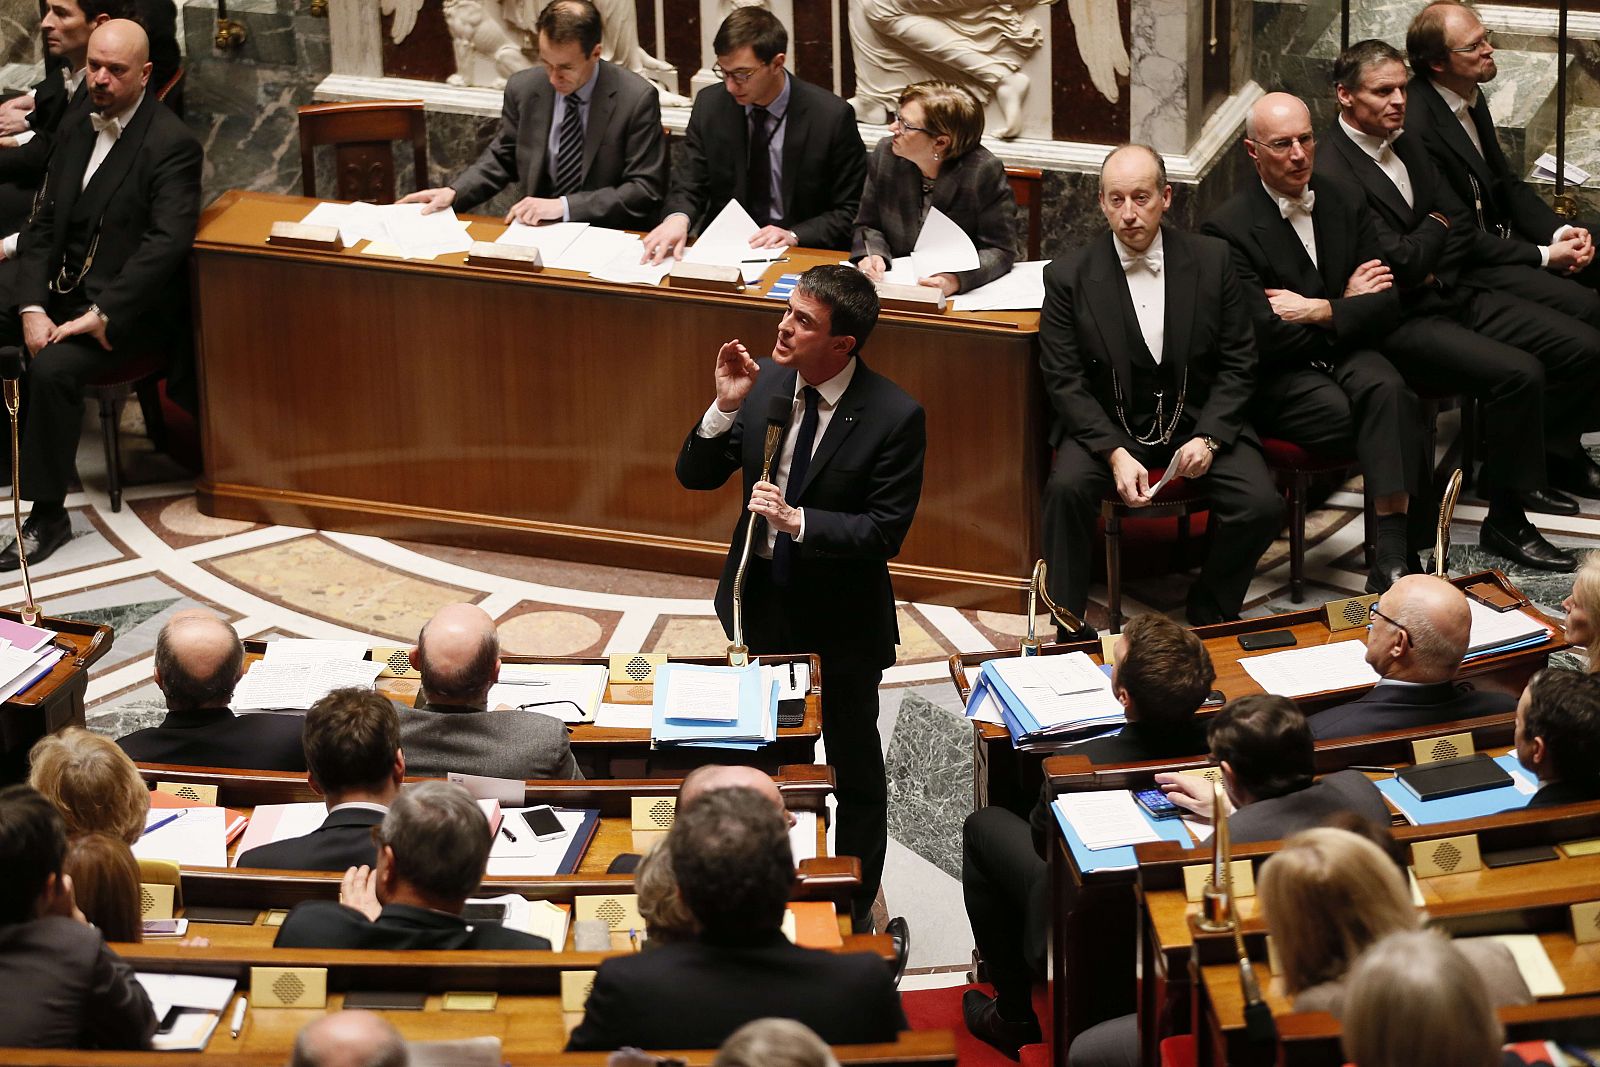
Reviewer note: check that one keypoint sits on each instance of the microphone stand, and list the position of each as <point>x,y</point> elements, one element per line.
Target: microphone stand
<point>777,416</point>
<point>13,397</point>
<point>1447,512</point>
<point>1036,593</point>
<point>1218,916</point>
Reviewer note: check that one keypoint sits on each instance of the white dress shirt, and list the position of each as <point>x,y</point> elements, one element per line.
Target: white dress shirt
<point>1148,290</point>
<point>106,140</point>
<point>1297,211</point>
<point>716,422</point>
<point>1381,151</point>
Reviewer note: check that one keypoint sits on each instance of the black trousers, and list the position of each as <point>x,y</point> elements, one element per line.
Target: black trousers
<point>1571,294</point>
<point>1360,405</point>
<point>1246,513</point>
<point>1006,886</point>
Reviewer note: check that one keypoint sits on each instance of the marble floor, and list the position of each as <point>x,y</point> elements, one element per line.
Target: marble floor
<point>159,555</point>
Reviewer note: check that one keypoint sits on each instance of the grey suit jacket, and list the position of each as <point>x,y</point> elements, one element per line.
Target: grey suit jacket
<point>971,189</point>
<point>1491,959</point>
<point>1278,817</point>
<point>500,744</point>
<point>624,162</point>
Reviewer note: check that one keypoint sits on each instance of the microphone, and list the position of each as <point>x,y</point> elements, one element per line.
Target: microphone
<point>1036,592</point>
<point>11,370</point>
<point>778,411</point>
<point>1447,512</point>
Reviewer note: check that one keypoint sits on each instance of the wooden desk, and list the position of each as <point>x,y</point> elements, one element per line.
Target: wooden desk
<point>430,400</point>
<point>55,701</point>
<point>1009,777</point>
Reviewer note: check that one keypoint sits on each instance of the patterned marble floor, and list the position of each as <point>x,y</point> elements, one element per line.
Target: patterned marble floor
<point>159,555</point>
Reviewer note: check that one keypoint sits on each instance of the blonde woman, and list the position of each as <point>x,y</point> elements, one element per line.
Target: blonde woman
<point>1583,610</point>
<point>774,1043</point>
<point>91,782</point>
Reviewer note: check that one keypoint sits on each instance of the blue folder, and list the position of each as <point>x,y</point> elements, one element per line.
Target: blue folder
<point>1121,857</point>
<point>1465,806</point>
<point>746,733</point>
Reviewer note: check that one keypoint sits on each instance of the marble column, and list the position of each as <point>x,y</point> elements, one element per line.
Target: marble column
<point>19,32</point>
<point>1167,49</point>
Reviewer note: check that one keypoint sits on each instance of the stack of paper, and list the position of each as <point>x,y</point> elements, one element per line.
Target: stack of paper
<point>295,674</point>
<point>517,853</point>
<point>394,229</point>
<point>540,918</point>
<point>714,706</point>
<point>1340,665</point>
<point>725,242</point>
<point>1043,698</point>
<point>1107,818</point>
<point>1544,170</point>
<point>942,248</point>
<point>20,668</point>
<point>189,837</point>
<point>1494,631</point>
<point>200,1003</point>
<point>280,822</point>
<point>570,692</point>
<point>1020,290</point>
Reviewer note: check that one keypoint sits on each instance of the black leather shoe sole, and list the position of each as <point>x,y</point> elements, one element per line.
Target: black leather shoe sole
<point>1528,548</point>
<point>900,931</point>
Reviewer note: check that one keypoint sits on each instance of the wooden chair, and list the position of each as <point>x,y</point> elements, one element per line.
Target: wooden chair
<point>362,133</point>
<point>1294,469</point>
<point>1027,187</point>
<point>1178,498</point>
<point>111,391</point>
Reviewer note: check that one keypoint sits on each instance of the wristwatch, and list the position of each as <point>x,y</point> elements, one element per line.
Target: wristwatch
<point>101,315</point>
<point>1211,443</point>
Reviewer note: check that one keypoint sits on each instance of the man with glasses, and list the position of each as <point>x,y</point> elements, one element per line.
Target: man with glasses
<point>785,149</point>
<point>1322,298</point>
<point>580,138</point>
<point>1418,634</point>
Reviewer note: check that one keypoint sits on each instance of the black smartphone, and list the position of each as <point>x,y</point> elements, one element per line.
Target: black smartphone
<point>544,823</point>
<point>1157,804</point>
<point>484,913</point>
<point>1266,639</point>
<point>792,713</point>
<point>373,1000</point>
<point>1214,699</point>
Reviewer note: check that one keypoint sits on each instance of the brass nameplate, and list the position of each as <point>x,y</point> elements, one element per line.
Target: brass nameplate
<point>1348,614</point>
<point>1448,855</point>
<point>155,901</point>
<point>1197,876</point>
<point>1439,749</point>
<point>1108,649</point>
<point>1586,922</point>
<point>575,988</point>
<point>705,276</point>
<point>200,794</point>
<point>469,1001</point>
<point>635,668</point>
<point>396,662</point>
<point>654,813</point>
<point>922,298</point>
<point>299,235</point>
<point>505,257</point>
<point>619,911</point>
<point>288,987</point>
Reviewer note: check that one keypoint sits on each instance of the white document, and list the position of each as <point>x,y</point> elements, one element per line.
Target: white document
<point>16,665</point>
<point>361,221</point>
<point>1544,169</point>
<point>1491,627</point>
<point>304,650</point>
<point>1298,671</point>
<point>793,678</point>
<point>510,792</point>
<point>537,917</point>
<point>551,240</point>
<point>280,822</point>
<point>988,709</point>
<point>1534,963</point>
<point>624,716</point>
<point>168,991</point>
<point>420,236</point>
<point>1060,690</point>
<point>527,856</point>
<point>703,695</point>
<point>625,268</point>
<point>1020,290</point>
<point>593,249</point>
<point>726,239</point>
<point>270,685</point>
<point>942,247</point>
<point>803,836</point>
<point>328,213</point>
<point>570,692</point>
<point>196,838</point>
<point>1107,818</point>
<point>1166,476</point>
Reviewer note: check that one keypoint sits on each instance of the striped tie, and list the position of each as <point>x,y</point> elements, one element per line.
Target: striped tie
<point>569,151</point>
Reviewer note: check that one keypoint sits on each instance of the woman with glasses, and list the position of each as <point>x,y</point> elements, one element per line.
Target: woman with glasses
<point>932,159</point>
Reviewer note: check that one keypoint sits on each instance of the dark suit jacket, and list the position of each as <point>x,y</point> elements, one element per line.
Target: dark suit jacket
<point>66,989</point>
<point>22,169</point>
<point>326,924</point>
<point>624,161</point>
<point>1268,255</point>
<point>694,994</point>
<point>216,737</point>
<point>859,497</point>
<point>1414,245</point>
<point>1575,792</point>
<point>1088,327</point>
<point>1506,199</point>
<point>1397,707</point>
<point>343,840</point>
<point>1138,742</point>
<point>439,738</point>
<point>971,189</point>
<point>1278,817</point>
<point>824,163</point>
<point>144,201</point>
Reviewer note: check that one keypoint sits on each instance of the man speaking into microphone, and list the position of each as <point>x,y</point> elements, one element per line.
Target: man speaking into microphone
<point>844,488</point>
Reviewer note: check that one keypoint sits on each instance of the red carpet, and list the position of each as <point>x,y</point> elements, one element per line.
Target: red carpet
<point>940,1009</point>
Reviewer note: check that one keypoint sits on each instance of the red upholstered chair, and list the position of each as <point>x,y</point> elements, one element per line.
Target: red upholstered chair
<point>1177,498</point>
<point>139,375</point>
<point>1294,469</point>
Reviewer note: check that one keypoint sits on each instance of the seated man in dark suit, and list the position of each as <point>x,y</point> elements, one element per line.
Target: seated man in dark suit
<point>707,779</point>
<point>199,661</point>
<point>451,727</point>
<point>353,760</point>
<point>735,871</point>
<point>1419,632</point>
<point>1149,361</point>
<point>1264,747</point>
<point>787,150</point>
<point>1162,675</point>
<point>64,987</point>
<point>580,138</point>
<point>1558,736</point>
<point>433,847</point>
<point>1322,298</point>
<point>100,277</point>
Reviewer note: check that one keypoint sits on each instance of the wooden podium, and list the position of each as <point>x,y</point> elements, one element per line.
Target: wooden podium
<point>54,701</point>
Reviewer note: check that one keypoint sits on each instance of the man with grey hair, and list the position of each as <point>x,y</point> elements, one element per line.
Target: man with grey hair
<point>451,727</point>
<point>1420,630</point>
<point>1149,360</point>
<point>349,1039</point>
<point>433,848</point>
<point>198,662</point>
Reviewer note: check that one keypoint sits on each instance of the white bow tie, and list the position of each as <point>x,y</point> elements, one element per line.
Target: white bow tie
<point>102,124</point>
<point>1289,206</point>
<point>1150,259</point>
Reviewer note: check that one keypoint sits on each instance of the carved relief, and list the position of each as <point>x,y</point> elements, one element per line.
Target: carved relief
<point>487,36</point>
<point>619,44</point>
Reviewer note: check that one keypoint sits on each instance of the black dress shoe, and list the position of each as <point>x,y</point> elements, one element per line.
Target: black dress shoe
<point>1549,502</point>
<point>900,931</point>
<point>982,1016</point>
<point>1580,478</point>
<point>1200,611</point>
<point>1525,545</point>
<point>39,540</point>
<point>1084,633</point>
<point>1386,573</point>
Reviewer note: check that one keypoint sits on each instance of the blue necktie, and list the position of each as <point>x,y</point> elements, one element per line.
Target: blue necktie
<point>569,150</point>
<point>783,544</point>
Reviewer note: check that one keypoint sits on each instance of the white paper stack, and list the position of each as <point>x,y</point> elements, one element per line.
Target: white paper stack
<point>1298,671</point>
<point>570,692</point>
<point>1500,631</point>
<point>1107,818</point>
<point>1020,290</point>
<point>20,668</point>
<point>725,242</point>
<point>201,1000</point>
<point>299,676</point>
<point>189,837</point>
<point>394,229</point>
<point>1544,170</point>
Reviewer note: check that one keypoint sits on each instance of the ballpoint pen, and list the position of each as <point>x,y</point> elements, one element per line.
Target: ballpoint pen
<point>238,1016</point>
<point>170,818</point>
<point>509,835</point>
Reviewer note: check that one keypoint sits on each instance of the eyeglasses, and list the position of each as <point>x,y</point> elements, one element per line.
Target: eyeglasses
<point>899,119</point>
<point>1481,44</point>
<point>1285,144</point>
<point>740,76</point>
<point>1374,613</point>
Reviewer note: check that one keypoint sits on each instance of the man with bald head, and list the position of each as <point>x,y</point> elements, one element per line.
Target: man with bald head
<point>100,276</point>
<point>1149,361</point>
<point>1420,629</point>
<point>1321,298</point>
<point>451,727</point>
<point>349,1039</point>
<point>199,660</point>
